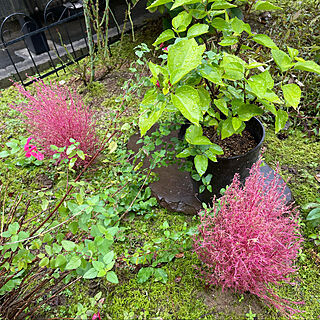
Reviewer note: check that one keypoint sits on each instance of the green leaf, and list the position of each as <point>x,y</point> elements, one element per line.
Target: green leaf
<point>292,94</point>
<point>237,123</point>
<point>197,30</point>
<point>101,273</point>
<point>164,36</point>
<point>257,85</point>
<point>80,154</point>
<point>71,148</point>
<point>4,154</point>
<point>264,40</point>
<point>74,263</point>
<point>156,70</point>
<point>310,66</point>
<point>222,106</point>
<point>198,13</point>
<point>220,4</point>
<point>144,274</point>
<point>205,99</point>
<point>269,106</point>
<point>186,99</point>
<point>60,260</point>
<point>246,111</point>
<point>271,96</point>
<point>68,245</point>
<point>314,214</point>
<point>220,24</point>
<point>233,66</point>
<point>292,52</point>
<point>283,61</point>
<point>255,64</point>
<point>178,3</point>
<point>90,274</point>
<point>158,3</point>
<point>206,179</point>
<point>194,136</point>
<point>238,26</point>
<point>265,6</point>
<point>160,275</point>
<point>281,120</point>
<point>266,76</point>
<point>108,257</point>
<point>211,73</point>
<point>112,277</point>
<point>110,265</point>
<point>213,151</point>
<point>228,41</point>
<point>98,265</point>
<point>216,149</point>
<point>44,262</point>
<point>201,164</point>
<point>227,129</point>
<point>184,154</point>
<point>181,21</point>
<point>151,110</point>
<point>183,57</point>
<point>72,162</point>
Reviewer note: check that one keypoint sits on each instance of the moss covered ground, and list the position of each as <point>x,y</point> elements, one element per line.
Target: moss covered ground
<point>184,295</point>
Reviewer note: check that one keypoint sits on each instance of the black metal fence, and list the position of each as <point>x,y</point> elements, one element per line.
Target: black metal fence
<point>30,46</point>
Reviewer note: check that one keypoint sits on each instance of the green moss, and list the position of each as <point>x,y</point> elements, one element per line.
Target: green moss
<point>174,300</point>
<point>298,157</point>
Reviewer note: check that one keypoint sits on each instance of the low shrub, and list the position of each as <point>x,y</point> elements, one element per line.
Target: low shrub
<point>53,115</point>
<point>250,240</point>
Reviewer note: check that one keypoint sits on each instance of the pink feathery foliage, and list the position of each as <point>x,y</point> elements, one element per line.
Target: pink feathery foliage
<point>53,115</point>
<point>251,239</point>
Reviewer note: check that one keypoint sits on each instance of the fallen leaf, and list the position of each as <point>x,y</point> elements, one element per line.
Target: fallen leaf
<point>179,255</point>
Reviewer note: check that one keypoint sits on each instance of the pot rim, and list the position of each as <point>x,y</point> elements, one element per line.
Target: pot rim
<point>251,150</point>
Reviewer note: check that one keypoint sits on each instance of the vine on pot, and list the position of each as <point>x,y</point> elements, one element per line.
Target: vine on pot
<point>217,81</point>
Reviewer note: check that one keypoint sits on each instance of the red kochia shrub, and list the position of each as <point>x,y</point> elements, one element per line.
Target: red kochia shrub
<point>53,115</point>
<point>250,240</point>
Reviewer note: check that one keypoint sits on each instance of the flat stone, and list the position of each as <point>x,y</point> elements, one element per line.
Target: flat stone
<point>174,190</point>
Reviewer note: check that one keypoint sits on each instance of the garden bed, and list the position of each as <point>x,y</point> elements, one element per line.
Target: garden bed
<point>157,276</point>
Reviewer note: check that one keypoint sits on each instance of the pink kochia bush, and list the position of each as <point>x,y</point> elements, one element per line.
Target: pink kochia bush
<point>250,240</point>
<point>53,115</point>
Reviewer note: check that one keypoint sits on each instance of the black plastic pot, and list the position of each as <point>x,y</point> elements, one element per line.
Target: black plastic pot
<point>224,170</point>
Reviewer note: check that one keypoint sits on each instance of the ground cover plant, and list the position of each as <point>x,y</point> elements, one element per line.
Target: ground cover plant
<point>147,268</point>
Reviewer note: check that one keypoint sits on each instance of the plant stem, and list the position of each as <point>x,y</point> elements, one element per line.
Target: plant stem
<point>90,38</point>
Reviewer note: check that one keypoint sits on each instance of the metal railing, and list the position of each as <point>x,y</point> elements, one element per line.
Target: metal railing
<point>34,49</point>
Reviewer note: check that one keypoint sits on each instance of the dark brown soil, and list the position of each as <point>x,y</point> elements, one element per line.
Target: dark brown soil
<point>235,145</point>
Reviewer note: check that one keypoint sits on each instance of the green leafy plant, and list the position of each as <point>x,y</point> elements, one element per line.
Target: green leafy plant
<point>71,237</point>
<point>250,315</point>
<point>314,215</point>
<point>72,152</point>
<point>212,77</point>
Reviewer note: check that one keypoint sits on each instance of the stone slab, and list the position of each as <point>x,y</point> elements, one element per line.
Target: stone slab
<point>174,190</point>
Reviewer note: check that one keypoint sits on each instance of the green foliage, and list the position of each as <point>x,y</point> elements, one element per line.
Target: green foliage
<point>225,90</point>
